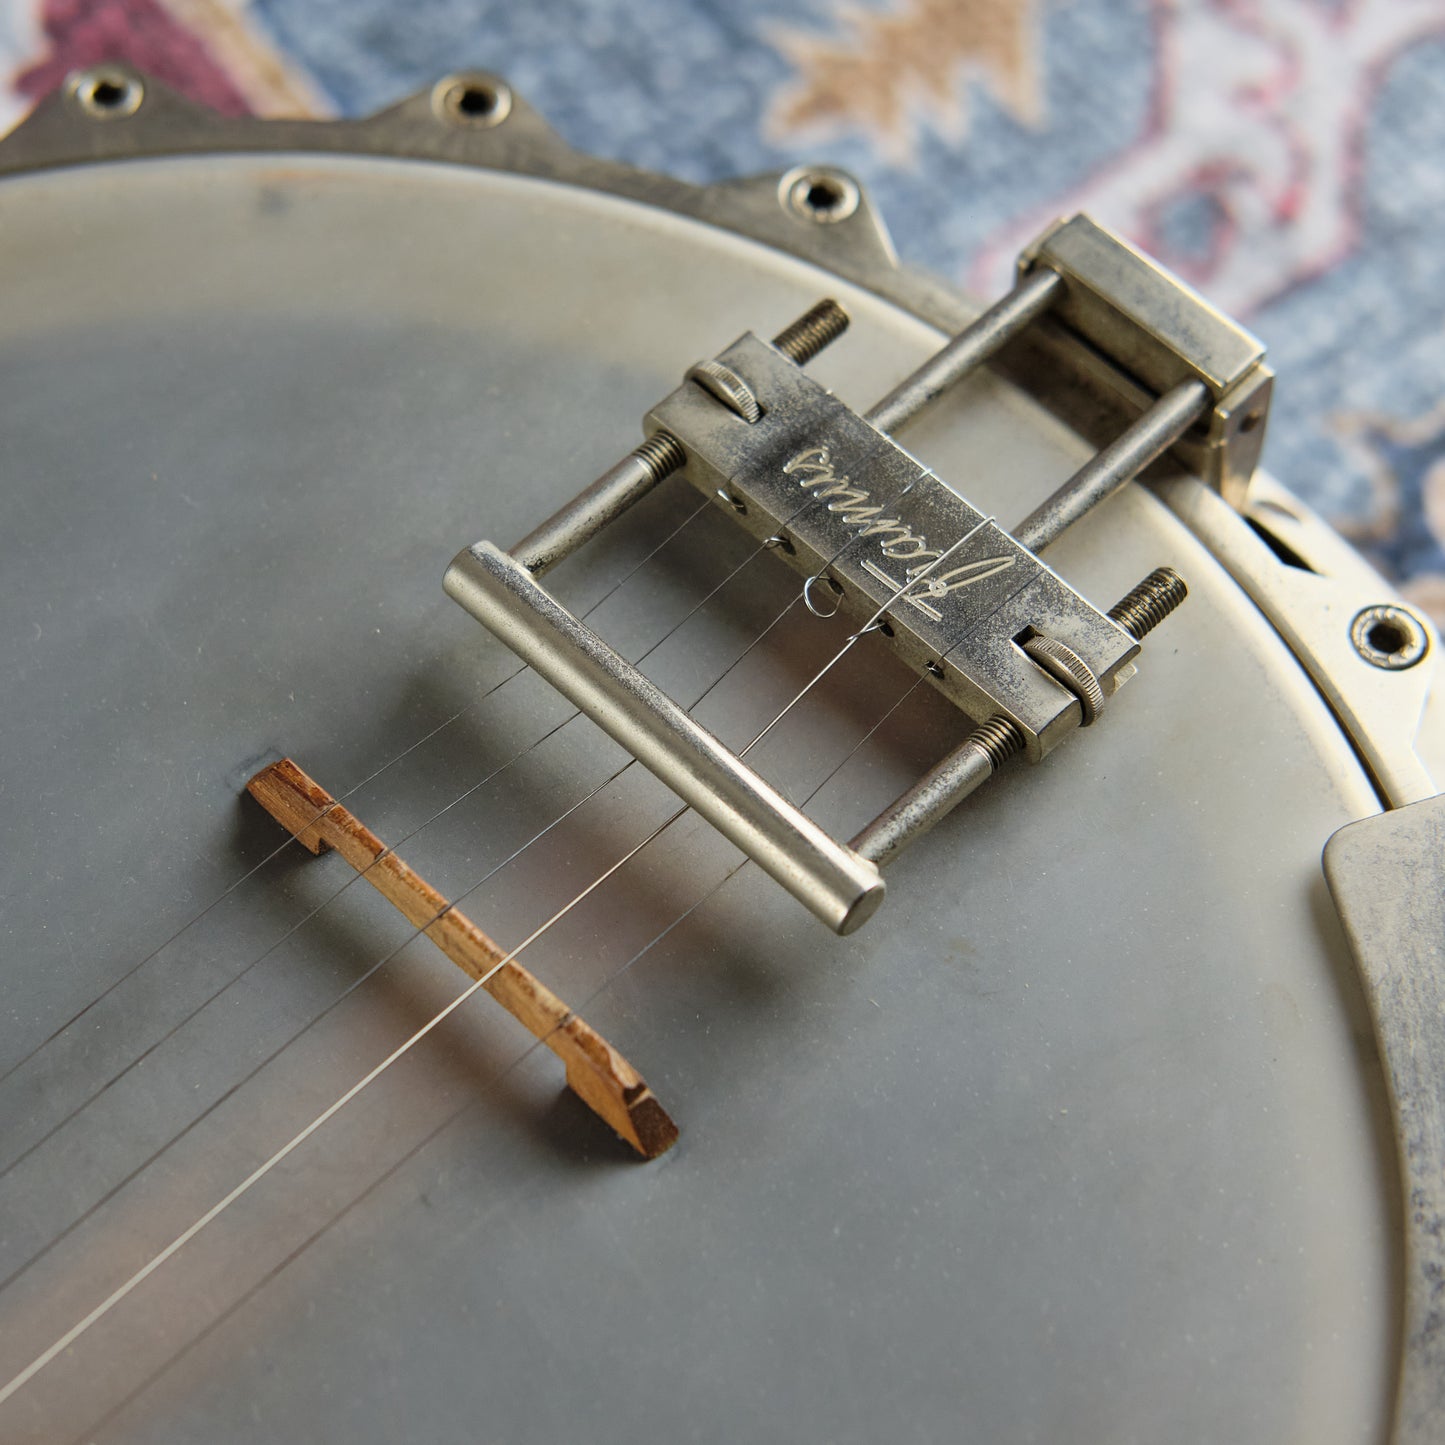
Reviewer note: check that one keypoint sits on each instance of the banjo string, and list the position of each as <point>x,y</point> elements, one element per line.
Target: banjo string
<point>809,501</point>
<point>260,1172</point>
<point>296,1141</point>
<point>276,1270</point>
<point>282,847</point>
<point>872,625</point>
<point>70,1336</point>
<point>405,838</point>
<point>270,1058</point>
<point>347,991</point>
<point>355,788</point>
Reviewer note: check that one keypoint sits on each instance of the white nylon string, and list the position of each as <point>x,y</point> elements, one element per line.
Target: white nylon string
<point>235,978</point>
<point>379,964</point>
<point>256,1175</point>
<point>67,1339</point>
<point>369,778</point>
<point>290,1258</point>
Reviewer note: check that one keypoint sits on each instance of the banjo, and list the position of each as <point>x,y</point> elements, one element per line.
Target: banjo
<point>885,810</point>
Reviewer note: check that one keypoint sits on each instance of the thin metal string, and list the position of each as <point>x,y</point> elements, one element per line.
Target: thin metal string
<point>405,838</point>
<point>874,622</point>
<point>144,1273</point>
<point>370,778</point>
<point>270,1058</point>
<point>374,968</point>
<point>257,1174</point>
<point>394,1168</point>
<point>405,752</point>
<point>808,502</point>
<point>869,626</point>
<point>297,1140</point>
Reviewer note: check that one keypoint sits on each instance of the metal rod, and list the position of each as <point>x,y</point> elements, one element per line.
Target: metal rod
<point>973,346</point>
<point>604,501</point>
<point>990,745</point>
<point>837,885</point>
<point>1155,431</point>
<point>657,458</point>
<point>971,764</point>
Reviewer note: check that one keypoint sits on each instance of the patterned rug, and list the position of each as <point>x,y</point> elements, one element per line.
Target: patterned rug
<point>1287,156</point>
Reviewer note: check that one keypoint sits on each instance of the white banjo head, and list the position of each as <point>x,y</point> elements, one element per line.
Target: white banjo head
<point>1085,1136</point>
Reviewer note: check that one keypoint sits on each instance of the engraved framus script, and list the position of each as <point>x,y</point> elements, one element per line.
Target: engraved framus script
<point>854,506</point>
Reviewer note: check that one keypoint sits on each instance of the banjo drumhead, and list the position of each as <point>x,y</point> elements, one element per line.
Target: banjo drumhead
<point>1084,1137</point>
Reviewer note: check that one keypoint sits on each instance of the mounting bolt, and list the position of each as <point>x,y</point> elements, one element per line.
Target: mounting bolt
<point>1389,637</point>
<point>822,196</point>
<point>812,331</point>
<point>1148,604</point>
<point>106,93</point>
<point>474,102</point>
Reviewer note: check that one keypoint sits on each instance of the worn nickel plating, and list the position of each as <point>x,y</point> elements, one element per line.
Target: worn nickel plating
<point>995,629</point>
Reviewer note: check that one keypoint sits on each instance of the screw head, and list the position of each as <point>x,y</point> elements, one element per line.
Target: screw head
<point>822,196</point>
<point>105,93</point>
<point>472,102</point>
<point>1071,672</point>
<point>1389,637</point>
<point>725,385</point>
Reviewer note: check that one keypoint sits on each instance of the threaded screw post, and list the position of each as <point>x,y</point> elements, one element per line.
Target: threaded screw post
<point>662,455</point>
<point>812,331</point>
<point>998,740</point>
<point>1148,604</point>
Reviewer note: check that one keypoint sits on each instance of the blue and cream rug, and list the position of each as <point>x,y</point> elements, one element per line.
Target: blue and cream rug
<point>1288,156</point>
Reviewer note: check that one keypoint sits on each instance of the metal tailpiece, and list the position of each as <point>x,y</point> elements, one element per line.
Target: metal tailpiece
<point>970,606</point>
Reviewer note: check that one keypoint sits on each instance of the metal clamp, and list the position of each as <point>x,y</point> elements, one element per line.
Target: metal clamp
<point>1122,322</point>
<point>969,606</point>
<point>842,888</point>
<point>960,594</point>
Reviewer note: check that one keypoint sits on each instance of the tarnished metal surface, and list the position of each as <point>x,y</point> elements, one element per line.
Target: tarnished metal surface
<point>939,791</point>
<point>956,588</point>
<point>1132,316</point>
<point>581,519</point>
<point>839,887</point>
<point>1387,876</point>
<point>1312,586</point>
<point>1115,465</point>
<point>977,343</point>
<point>851,240</point>
<point>1127,1135</point>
